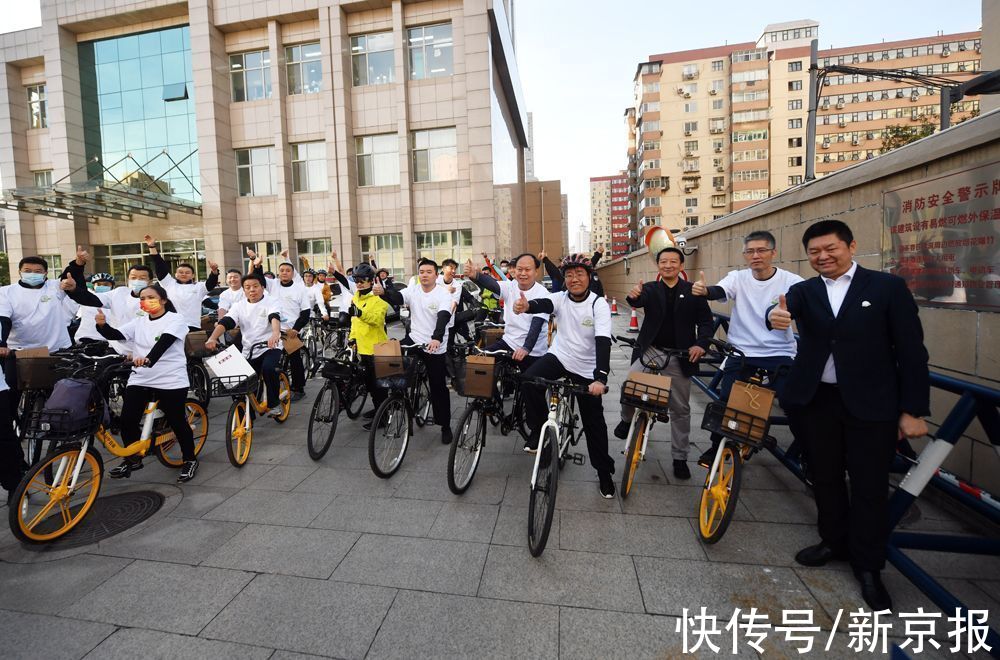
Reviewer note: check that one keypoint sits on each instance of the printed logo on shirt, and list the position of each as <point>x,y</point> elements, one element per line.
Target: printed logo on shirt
<point>587,323</point>
<point>433,306</point>
<point>46,298</point>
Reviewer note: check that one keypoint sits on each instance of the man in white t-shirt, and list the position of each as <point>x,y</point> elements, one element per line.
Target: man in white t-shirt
<point>232,293</point>
<point>752,291</point>
<point>295,303</point>
<point>581,352</point>
<point>121,303</point>
<point>185,292</point>
<point>430,313</point>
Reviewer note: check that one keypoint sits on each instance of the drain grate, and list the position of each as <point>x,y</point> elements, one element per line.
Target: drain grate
<point>110,515</point>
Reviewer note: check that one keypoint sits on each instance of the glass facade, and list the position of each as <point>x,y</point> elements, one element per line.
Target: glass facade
<point>440,245</point>
<point>138,99</point>
<point>386,250</point>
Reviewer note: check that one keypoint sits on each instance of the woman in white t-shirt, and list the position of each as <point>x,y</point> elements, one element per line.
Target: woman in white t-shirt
<point>160,374</point>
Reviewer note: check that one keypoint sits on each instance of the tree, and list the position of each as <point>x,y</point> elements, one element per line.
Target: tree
<point>896,135</point>
<point>4,269</point>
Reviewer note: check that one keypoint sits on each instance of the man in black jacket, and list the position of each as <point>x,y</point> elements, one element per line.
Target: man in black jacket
<point>675,318</point>
<point>859,383</point>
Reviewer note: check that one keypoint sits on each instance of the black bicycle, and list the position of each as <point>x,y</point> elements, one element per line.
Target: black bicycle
<point>344,389</point>
<point>391,427</point>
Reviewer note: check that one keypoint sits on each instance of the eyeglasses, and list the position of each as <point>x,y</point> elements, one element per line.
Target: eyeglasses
<point>757,251</point>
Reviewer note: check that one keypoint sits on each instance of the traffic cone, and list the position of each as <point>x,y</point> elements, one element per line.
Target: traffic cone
<point>614,307</point>
<point>633,323</point>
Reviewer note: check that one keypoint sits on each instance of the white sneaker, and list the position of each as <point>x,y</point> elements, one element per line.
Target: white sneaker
<point>276,411</point>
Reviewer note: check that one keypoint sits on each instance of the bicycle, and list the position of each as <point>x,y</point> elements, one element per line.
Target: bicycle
<point>743,435</point>
<point>650,401</point>
<point>394,416</point>
<point>344,388</point>
<point>557,435</point>
<point>59,491</point>
<point>249,399</point>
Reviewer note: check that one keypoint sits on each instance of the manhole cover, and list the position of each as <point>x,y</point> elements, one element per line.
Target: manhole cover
<point>110,515</point>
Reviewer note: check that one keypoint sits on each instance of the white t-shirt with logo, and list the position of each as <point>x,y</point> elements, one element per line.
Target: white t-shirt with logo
<point>424,308</point>
<point>252,319</point>
<point>751,298</point>
<point>170,371</point>
<point>579,324</point>
<point>230,297</point>
<point>38,317</point>
<point>343,299</point>
<point>186,298</point>
<point>291,300</point>
<point>516,326</point>
<point>314,296</point>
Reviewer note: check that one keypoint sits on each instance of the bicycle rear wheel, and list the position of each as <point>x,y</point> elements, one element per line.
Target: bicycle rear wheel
<point>199,389</point>
<point>466,449</point>
<point>354,402</point>
<point>421,401</point>
<point>239,430</point>
<point>44,509</point>
<point>632,455</point>
<point>169,452</point>
<point>323,421</point>
<point>389,436</point>
<point>542,503</point>
<point>719,496</point>
<point>284,397</point>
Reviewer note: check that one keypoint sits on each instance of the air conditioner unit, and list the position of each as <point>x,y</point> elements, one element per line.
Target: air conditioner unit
<point>855,156</point>
<point>680,90</point>
<point>855,99</point>
<point>855,141</point>
<point>842,124</point>
<point>914,96</point>
<point>931,91</point>
<point>841,158</point>
<point>870,97</point>
<point>715,130</point>
<point>687,95</point>
<point>690,76</point>
<point>869,136</point>
<point>869,156</point>
<point>825,106</point>
<point>690,210</point>
<point>885,56</point>
<point>720,188</point>
<point>841,138</point>
<point>720,168</point>
<point>824,145</point>
<point>826,82</point>
<point>687,133</point>
<point>688,189</point>
<point>885,95</point>
<point>914,117</point>
<point>962,47</point>
<point>870,57</point>
<point>840,105</point>
<point>718,150</point>
<point>945,53</point>
<point>962,66</point>
<point>688,154</point>
<point>899,94</point>
<point>713,92</point>
<point>826,158</point>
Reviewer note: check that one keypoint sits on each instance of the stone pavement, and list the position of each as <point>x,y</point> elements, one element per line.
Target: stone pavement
<point>288,557</point>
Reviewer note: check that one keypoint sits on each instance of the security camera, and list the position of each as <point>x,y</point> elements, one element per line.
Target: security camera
<point>680,241</point>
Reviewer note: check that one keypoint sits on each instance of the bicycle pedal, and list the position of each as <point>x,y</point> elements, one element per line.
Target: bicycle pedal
<point>578,459</point>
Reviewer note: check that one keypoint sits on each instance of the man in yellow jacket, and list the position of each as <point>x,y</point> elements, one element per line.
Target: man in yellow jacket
<point>368,328</point>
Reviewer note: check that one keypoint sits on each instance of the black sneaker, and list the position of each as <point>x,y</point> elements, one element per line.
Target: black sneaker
<point>187,471</point>
<point>705,460</point>
<point>607,486</point>
<point>370,414</point>
<point>531,446</point>
<point>621,431</point>
<point>125,470</point>
<point>298,395</point>
<point>681,470</point>
<point>446,436</point>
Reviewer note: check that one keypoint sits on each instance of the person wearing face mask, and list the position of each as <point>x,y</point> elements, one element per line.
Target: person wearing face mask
<point>87,332</point>
<point>314,294</point>
<point>159,374</point>
<point>185,292</point>
<point>294,302</point>
<point>121,303</point>
<point>367,314</point>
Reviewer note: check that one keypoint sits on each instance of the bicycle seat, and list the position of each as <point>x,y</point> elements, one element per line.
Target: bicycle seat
<point>397,382</point>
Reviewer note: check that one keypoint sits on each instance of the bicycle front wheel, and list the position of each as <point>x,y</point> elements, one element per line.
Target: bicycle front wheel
<point>198,375</point>
<point>389,436</point>
<point>239,427</point>
<point>632,452</point>
<point>718,498</point>
<point>44,509</point>
<point>168,451</point>
<point>323,421</point>
<point>542,503</point>
<point>421,402</point>
<point>466,449</point>
<point>354,402</point>
<point>284,397</point>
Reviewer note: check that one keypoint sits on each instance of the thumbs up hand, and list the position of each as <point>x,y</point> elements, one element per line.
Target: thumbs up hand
<point>469,269</point>
<point>99,318</point>
<point>780,317</point>
<point>636,290</point>
<point>700,288</point>
<point>521,305</point>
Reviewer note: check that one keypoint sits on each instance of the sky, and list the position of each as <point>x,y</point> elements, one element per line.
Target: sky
<point>577,59</point>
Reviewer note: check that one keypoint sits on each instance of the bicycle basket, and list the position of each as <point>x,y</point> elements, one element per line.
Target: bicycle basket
<point>232,385</point>
<point>649,392</point>
<point>36,373</point>
<point>73,412</point>
<point>338,370</point>
<point>491,336</point>
<point>735,424</point>
<point>480,377</point>
<point>194,344</point>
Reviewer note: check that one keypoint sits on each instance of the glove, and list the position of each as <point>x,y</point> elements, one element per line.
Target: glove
<point>355,311</point>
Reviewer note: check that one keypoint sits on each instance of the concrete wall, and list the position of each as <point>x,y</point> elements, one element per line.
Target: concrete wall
<point>991,50</point>
<point>961,343</point>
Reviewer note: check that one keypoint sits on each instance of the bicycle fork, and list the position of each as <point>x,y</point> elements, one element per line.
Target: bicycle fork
<point>645,435</point>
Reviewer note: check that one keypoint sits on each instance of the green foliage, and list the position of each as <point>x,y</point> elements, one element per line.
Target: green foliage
<point>4,269</point>
<point>896,135</point>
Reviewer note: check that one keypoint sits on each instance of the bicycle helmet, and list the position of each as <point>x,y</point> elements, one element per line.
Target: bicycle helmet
<point>321,271</point>
<point>309,271</point>
<point>576,260</point>
<point>364,272</point>
<point>101,277</point>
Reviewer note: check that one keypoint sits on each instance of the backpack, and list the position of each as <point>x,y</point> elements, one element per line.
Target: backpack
<point>74,407</point>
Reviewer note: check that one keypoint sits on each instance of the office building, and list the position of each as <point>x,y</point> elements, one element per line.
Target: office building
<point>611,222</point>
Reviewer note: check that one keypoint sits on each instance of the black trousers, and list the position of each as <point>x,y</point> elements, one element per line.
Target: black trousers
<point>591,410</point>
<point>501,345</point>
<point>10,374</point>
<point>854,518</point>
<point>377,393</point>
<point>171,402</point>
<point>12,465</point>
<point>266,364</point>
<point>437,378</point>
<point>297,370</point>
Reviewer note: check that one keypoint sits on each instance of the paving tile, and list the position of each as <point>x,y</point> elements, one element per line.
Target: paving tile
<point>408,563</point>
<point>50,587</point>
<point>464,521</point>
<point>779,507</point>
<point>179,540</point>
<point>160,596</point>
<point>199,500</point>
<point>434,486</point>
<point>628,535</point>
<point>379,515</point>
<point>271,507</point>
<point>282,477</point>
<point>308,616</point>
<point>237,477</point>
<point>32,636</point>
<point>570,495</point>
<point>665,500</point>
<point>670,585</point>
<point>423,625</point>
<point>129,643</point>
<point>339,481</point>
<point>290,551</point>
<point>512,527</point>
<point>350,458</point>
<point>562,577</point>
<point>769,544</point>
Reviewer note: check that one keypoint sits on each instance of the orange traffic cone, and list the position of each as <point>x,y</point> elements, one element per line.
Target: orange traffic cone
<point>633,323</point>
<point>614,307</point>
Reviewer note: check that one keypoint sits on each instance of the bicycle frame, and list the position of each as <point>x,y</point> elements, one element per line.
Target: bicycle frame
<point>559,413</point>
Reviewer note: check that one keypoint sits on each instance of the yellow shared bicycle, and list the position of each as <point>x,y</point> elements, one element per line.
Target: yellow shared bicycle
<point>59,490</point>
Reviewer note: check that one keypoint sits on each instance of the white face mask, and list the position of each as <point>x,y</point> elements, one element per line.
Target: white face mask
<point>138,285</point>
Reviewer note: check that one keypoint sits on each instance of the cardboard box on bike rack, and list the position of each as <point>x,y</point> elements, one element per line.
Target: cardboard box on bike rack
<point>491,336</point>
<point>388,359</point>
<point>35,368</point>
<point>480,380</point>
<point>649,389</point>
<point>748,409</point>
<point>194,343</point>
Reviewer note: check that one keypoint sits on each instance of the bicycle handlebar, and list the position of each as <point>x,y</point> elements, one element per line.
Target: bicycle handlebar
<point>665,354</point>
<point>560,384</point>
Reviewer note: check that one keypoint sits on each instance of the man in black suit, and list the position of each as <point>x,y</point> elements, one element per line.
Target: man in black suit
<point>859,383</point>
<point>675,318</point>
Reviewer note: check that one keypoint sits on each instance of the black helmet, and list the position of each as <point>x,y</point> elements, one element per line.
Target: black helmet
<point>364,272</point>
<point>309,271</point>
<point>101,277</point>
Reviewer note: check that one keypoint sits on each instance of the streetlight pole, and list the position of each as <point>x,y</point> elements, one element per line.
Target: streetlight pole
<point>811,118</point>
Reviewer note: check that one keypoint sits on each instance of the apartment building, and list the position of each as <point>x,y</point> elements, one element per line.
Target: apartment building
<point>611,219</point>
<point>389,130</point>
<point>715,129</point>
<point>600,211</point>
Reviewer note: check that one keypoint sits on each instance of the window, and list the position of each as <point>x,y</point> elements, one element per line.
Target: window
<point>690,126</point>
<point>651,88</point>
<point>749,195</point>
<point>717,86</point>
<point>690,201</point>
<point>691,165</point>
<point>309,167</point>
<point>748,136</point>
<point>750,95</point>
<point>795,104</point>
<point>750,115</point>
<point>55,264</point>
<point>751,154</point>
<point>750,175</point>
<point>795,65</point>
<point>37,106</point>
<point>316,250</point>
<point>430,49</point>
<point>795,161</point>
<point>795,180</point>
<point>251,75</point>
<point>435,155</point>
<point>794,142</point>
<point>691,146</point>
<point>717,145</point>
<point>440,245</point>
<point>716,104</point>
<point>690,88</point>
<point>748,76</point>
<point>649,126</point>
<point>691,106</point>
<point>691,221</point>
<point>43,178</point>
<point>255,175</point>
<point>304,68</point>
<point>794,85</point>
<point>795,123</point>
<point>378,159</point>
<point>690,70</point>
<point>386,250</point>
<point>651,145</point>
<point>372,59</point>
<point>718,181</point>
<point>717,65</point>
